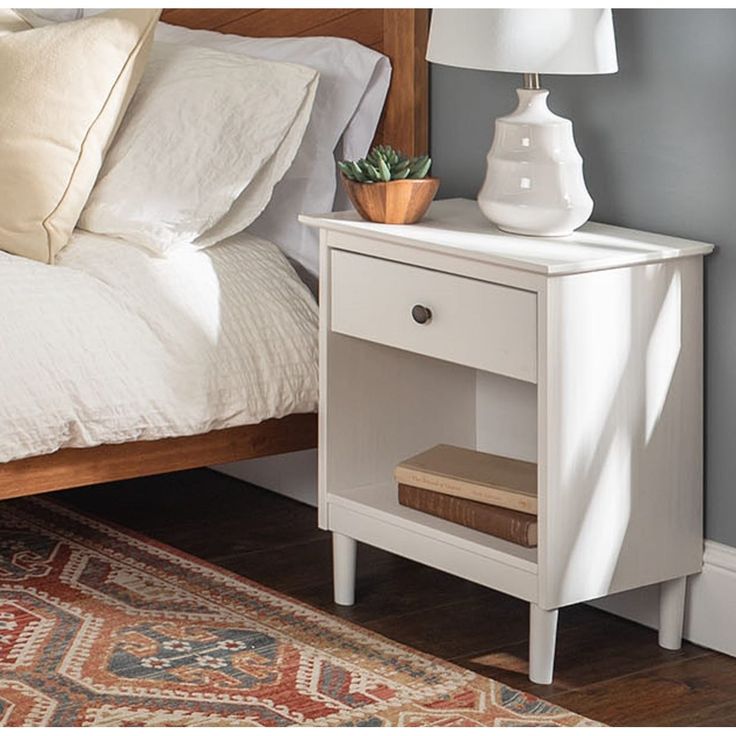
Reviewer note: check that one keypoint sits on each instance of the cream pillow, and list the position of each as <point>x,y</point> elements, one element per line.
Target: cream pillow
<point>11,22</point>
<point>64,89</point>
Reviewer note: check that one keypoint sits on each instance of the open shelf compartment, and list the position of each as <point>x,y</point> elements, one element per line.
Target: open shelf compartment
<point>415,403</point>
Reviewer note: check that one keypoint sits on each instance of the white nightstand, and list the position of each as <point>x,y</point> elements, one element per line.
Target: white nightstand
<point>581,353</point>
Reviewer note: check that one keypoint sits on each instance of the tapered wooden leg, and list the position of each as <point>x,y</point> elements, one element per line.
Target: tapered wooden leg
<point>542,639</point>
<point>671,612</point>
<point>343,568</point>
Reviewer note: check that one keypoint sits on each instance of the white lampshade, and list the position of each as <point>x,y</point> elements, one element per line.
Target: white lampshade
<point>554,41</point>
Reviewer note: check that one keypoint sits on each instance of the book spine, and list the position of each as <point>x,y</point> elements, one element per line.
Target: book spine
<point>462,489</point>
<point>513,526</point>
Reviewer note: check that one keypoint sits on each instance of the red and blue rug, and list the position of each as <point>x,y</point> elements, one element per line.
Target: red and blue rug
<point>100,627</point>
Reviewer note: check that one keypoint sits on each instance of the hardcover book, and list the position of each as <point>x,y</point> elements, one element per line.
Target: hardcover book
<point>477,476</point>
<point>513,526</point>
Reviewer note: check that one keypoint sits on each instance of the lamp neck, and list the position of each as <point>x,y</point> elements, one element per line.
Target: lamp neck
<point>531,81</point>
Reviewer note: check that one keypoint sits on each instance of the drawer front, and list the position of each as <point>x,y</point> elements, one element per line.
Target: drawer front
<point>470,322</point>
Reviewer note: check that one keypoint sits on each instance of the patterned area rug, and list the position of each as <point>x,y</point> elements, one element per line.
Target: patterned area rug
<point>100,627</point>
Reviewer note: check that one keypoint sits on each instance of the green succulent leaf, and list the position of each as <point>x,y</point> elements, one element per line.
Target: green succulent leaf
<point>384,170</point>
<point>344,166</point>
<point>372,172</point>
<point>400,171</point>
<point>357,172</point>
<point>384,163</point>
<point>420,167</point>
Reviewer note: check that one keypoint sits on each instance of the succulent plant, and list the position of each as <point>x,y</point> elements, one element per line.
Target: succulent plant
<point>383,164</point>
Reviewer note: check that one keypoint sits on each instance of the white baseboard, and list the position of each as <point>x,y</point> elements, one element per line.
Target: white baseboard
<point>293,474</point>
<point>710,609</point>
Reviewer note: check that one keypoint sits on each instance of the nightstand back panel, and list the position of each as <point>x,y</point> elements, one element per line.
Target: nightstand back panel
<point>461,320</point>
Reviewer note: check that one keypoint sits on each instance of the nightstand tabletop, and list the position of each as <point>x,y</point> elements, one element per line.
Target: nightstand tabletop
<point>458,227</point>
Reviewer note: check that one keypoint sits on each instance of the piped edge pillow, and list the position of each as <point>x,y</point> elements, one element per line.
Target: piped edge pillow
<point>64,89</point>
<point>205,129</point>
<point>12,22</point>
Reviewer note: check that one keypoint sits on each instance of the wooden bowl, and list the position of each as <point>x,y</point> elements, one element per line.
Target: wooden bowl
<point>400,202</point>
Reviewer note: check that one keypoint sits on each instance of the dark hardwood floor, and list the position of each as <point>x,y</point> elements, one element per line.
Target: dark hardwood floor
<point>607,668</point>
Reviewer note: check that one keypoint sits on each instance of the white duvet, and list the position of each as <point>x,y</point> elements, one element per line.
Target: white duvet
<point>112,344</point>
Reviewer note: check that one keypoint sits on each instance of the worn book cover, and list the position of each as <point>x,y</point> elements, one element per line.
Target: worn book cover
<point>478,476</point>
<point>513,526</point>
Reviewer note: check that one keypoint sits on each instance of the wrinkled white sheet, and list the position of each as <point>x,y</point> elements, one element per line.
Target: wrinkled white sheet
<point>113,344</point>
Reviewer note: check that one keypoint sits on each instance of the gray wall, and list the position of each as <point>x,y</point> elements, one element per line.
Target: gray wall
<point>659,144</point>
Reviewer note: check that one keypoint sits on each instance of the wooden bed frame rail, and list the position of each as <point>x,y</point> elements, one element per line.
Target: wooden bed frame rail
<point>402,36</point>
<point>74,467</point>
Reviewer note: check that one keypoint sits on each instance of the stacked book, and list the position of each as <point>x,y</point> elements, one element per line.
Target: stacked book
<point>490,493</point>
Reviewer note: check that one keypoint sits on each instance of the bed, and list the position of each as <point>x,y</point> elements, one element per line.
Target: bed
<point>288,422</point>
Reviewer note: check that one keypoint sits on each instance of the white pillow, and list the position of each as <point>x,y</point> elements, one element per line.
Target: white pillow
<point>204,128</point>
<point>352,89</point>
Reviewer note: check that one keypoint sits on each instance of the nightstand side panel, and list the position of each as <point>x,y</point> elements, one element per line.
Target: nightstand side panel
<point>620,425</point>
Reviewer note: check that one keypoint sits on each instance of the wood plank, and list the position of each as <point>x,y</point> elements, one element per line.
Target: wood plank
<point>723,714</point>
<point>279,23</point>
<point>362,25</point>
<point>73,467</point>
<point>663,696</point>
<point>168,507</point>
<point>621,648</point>
<point>406,124</point>
<point>387,584</point>
<point>471,620</point>
<point>270,23</point>
<point>205,18</point>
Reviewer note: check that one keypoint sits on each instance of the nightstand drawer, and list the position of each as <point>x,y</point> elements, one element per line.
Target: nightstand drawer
<point>454,318</point>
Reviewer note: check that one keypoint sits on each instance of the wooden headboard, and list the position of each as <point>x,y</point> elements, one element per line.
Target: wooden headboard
<point>400,34</point>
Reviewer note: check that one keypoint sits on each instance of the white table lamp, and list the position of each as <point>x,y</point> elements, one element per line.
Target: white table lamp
<point>534,181</point>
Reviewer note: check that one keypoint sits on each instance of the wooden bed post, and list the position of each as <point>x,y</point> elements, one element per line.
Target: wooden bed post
<point>406,121</point>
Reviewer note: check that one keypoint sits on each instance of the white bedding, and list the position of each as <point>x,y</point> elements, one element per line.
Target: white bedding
<point>112,344</point>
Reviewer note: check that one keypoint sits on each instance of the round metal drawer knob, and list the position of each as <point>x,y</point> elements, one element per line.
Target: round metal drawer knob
<point>421,314</point>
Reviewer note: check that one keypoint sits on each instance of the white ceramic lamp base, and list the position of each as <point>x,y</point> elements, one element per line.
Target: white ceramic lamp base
<point>534,182</point>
